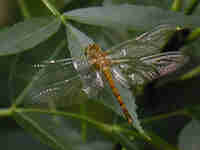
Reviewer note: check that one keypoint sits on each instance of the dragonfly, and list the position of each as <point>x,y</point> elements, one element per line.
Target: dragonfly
<point>104,74</point>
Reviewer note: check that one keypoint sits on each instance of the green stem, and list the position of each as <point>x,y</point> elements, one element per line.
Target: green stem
<point>159,143</point>
<point>6,112</point>
<point>106,128</point>
<point>83,123</point>
<point>54,11</point>
<point>23,8</point>
<point>155,140</point>
<point>194,72</point>
<point>177,5</point>
<point>119,130</point>
<point>51,8</point>
<point>192,6</point>
<point>164,116</point>
<point>194,35</point>
<point>102,126</point>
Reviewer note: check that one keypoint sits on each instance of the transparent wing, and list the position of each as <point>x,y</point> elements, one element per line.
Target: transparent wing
<point>59,85</point>
<point>164,63</point>
<point>149,68</point>
<point>161,35</point>
<point>56,84</point>
<point>148,43</point>
<point>98,88</point>
<point>102,92</point>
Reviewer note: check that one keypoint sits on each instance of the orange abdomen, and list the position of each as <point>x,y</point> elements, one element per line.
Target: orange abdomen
<point>108,76</point>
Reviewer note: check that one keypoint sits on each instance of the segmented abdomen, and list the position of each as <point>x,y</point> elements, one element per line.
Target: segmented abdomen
<point>108,76</point>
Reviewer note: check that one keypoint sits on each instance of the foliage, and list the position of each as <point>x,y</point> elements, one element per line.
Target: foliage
<point>45,34</point>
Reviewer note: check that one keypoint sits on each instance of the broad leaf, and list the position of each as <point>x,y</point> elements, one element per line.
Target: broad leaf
<point>49,125</point>
<point>78,41</point>
<point>194,112</point>
<point>62,133</point>
<point>130,17</point>
<point>25,35</point>
<point>189,137</point>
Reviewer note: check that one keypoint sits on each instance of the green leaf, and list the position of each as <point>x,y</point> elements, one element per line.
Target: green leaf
<point>192,73</point>
<point>194,112</point>
<point>129,135</point>
<point>130,16</point>
<point>60,134</point>
<point>34,128</point>
<point>189,136</point>
<point>177,5</point>
<point>25,35</point>
<point>128,142</point>
<point>192,6</point>
<point>35,8</point>
<point>166,4</point>
<point>160,143</point>
<point>78,41</point>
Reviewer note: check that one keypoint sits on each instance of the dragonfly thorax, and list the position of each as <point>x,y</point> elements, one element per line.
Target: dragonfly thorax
<point>97,57</point>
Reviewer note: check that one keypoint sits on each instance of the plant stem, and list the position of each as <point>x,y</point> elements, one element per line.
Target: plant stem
<point>192,6</point>
<point>106,128</point>
<point>83,123</point>
<point>194,72</point>
<point>177,5</point>
<point>23,8</point>
<point>51,8</point>
<point>119,130</point>
<point>6,112</point>
<point>194,35</point>
<point>54,11</point>
<point>164,116</point>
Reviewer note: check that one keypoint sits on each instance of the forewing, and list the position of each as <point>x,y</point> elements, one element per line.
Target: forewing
<point>132,49</point>
<point>61,85</point>
<point>163,64</point>
<point>148,43</point>
<point>146,69</point>
<point>56,85</point>
<point>160,35</point>
<point>136,73</point>
<point>97,88</point>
